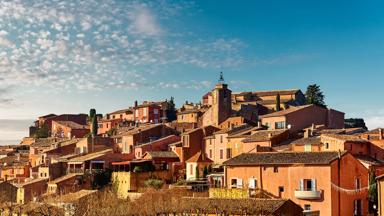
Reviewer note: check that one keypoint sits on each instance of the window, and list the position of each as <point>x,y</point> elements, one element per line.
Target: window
<point>145,111</point>
<point>307,207</point>
<point>279,125</point>
<point>307,147</point>
<point>229,153</point>
<point>236,183</point>
<point>267,125</point>
<point>191,169</point>
<point>275,169</point>
<point>221,154</point>
<point>308,185</point>
<point>357,183</point>
<point>121,116</point>
<point>221,139</point>
<point>326,145</point>
<point>281,189</point>
<point>357,208</point>
<point>155,111</point>
<point>210,153</point>
<point>252,183</point>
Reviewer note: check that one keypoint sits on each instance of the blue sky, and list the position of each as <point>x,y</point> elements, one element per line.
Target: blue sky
<point>69,56</point>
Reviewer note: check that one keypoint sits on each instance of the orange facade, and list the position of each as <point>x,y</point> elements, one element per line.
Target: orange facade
<point>327,189</point>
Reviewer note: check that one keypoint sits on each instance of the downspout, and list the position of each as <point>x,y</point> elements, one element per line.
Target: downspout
<point>261,178</point>
<point>338,185</point>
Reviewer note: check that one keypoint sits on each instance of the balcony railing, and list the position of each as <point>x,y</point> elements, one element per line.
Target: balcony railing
<point>308,194</point>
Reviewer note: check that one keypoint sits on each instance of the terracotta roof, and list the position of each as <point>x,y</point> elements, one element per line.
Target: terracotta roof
<point>72,125</point>
<point>286,111</point>
<point>198,157</point>
<point>64,178</point>
<point>73,197</point>
<point>121,111</point>
<point>368,160</point>
<point>28,182</point>
<point>263,135</point>
<point>134,130</point>
<point>266,207</point>
<point>90,156</point>
<point>278,158</point>
<point>235,130</point>
<point>309,140</point>
<point>48,116</point>
<point>275,92</point>
<point>349,138</point>
<point>188,111</point>
<point>162,154</point>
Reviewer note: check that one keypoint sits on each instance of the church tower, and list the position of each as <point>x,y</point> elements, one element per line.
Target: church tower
<point>221,102</point>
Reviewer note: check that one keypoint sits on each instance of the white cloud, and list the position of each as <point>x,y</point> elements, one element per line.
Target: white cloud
<point>5,42</point>
<point>144,22</point>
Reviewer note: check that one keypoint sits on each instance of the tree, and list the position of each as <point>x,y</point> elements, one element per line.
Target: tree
<point>197,173</point>
<point>372,192</point>
<point>93,120</point>
<point>277,102</point>
<point>314,95</point>
<point>171,110</point>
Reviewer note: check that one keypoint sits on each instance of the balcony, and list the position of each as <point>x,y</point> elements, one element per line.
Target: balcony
<point>308,194</point>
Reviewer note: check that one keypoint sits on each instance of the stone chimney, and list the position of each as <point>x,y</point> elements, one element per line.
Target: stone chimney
<point>136,104</point>
<point>381,135</point>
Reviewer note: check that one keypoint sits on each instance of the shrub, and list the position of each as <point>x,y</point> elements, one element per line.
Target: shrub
<point>154,183</point>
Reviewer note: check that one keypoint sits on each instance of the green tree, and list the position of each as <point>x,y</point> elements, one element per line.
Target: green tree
<point>278,102</point>
<point>372,192</point>
<point>197,173</point>
<point>205,172</point>
<point>171,110</point>
<point>93,121</point>
<point>314,95</point>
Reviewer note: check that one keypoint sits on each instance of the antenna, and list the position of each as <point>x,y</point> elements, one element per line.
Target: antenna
<point>221,79</point>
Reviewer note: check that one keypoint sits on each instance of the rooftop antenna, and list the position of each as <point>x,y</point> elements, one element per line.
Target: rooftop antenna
<point>221,79</point>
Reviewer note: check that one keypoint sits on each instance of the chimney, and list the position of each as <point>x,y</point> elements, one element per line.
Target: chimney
<point>381,134</point>
<point>258,124</point>
<point>307,133</point>
<point>136,103</point>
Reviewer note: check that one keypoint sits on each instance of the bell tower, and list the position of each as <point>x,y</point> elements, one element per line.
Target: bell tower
<point>222,102</point>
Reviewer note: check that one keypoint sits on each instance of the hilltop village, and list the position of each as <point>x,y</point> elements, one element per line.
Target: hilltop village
<point>271,150</point>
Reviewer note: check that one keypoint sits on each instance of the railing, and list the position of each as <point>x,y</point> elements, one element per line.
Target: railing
<point>76,170</point>
<point>308,194</point>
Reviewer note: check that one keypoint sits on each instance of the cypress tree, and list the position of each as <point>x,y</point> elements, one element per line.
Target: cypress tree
<point>278,102</point>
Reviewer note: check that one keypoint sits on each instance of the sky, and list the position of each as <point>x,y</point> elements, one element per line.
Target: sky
<point>69,56</point>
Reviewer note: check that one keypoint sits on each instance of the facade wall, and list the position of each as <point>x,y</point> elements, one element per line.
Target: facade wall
<point>188,118</point>
<point>132,140</point>
<point>237,145</point>
<point>27,192</point>
<point>350,170</point>
<point>217,148</point>
<point>106,125</point>
<point>289,178</point>
<point>333,201</point>
<point>307,116</point>
<point>157,145</point>
<point>147,114</point>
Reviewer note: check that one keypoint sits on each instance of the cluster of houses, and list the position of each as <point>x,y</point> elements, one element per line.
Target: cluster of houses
<point>231,144</point>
